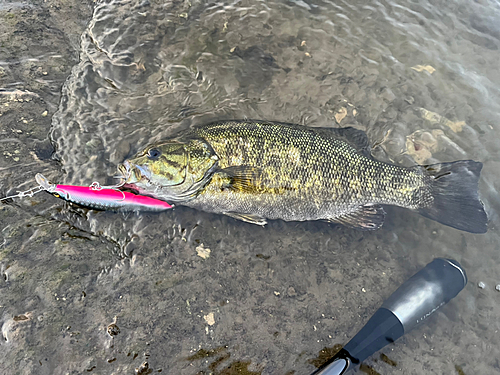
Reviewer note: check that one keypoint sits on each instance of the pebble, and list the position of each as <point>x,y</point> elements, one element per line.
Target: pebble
<point>202,251</point>
<point>498,287</point>
<point>481,285</point>
<point>210,318</point>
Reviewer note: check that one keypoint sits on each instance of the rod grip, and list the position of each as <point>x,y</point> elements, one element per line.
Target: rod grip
<point>411,304</point>
<point>383,328</point>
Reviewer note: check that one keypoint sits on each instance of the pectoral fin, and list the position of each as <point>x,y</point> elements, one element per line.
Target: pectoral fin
<point>249,218</point>
<point>243,178</point>
<point>368,217</point>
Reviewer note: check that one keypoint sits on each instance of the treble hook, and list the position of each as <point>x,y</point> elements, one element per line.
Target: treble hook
<point>97,187</point>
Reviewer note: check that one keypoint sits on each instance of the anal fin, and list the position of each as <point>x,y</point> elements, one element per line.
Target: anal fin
<point>249,218</point>
<point>368,217</point>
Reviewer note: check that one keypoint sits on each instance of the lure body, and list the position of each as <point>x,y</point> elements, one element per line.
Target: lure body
<point>102,198</point>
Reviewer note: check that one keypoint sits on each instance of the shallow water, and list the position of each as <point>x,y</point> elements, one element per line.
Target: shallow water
<point>420,78</point>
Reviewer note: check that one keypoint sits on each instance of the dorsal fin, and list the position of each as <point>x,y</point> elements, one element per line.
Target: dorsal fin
<point>355,137</point>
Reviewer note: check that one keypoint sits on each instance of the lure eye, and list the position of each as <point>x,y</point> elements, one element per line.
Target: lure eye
<point>154,154</point>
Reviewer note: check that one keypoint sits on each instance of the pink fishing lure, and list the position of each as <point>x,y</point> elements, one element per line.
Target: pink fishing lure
<point>97,197</point>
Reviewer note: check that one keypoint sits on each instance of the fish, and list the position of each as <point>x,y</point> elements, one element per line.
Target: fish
<point>259,170</point>
<point>102,198</point>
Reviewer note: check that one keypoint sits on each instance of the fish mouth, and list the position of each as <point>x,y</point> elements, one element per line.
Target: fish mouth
<point>132,174</point>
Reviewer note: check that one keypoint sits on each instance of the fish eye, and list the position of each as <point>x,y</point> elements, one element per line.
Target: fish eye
<point>154,154</point>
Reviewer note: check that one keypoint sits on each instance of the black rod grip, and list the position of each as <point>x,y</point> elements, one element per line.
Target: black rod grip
<point>383,328</point>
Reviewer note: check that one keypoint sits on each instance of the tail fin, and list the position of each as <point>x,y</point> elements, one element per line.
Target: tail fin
<point>456,201</point>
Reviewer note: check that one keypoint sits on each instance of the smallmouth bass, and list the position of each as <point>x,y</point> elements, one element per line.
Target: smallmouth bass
<point>258,170</point>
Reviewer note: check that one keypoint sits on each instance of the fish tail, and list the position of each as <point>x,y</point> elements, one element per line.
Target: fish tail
<point>456,201</point>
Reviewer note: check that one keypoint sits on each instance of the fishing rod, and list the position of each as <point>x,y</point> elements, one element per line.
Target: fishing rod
<point>408,307</point>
